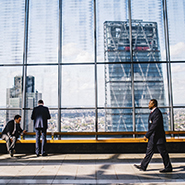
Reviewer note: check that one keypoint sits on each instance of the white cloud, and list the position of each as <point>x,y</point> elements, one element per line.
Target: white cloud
<point>72,53</point>
<point>177,51</point>
<point>70,49</point>
<point>177,68</point>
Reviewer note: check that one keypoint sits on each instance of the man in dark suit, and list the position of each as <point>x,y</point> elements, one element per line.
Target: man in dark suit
<point>40,115</point>
<point>156,139</point>
<point>11,132</point>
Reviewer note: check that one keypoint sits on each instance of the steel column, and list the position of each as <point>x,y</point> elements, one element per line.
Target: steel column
<point>59,65</point>
<point>170,94</point>
<point>95,70</point>
<point>25,50</point>
<point>132,65</point>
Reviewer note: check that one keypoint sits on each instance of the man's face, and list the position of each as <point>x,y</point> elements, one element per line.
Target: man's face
<point>151,105</point>
<point>18,120</point>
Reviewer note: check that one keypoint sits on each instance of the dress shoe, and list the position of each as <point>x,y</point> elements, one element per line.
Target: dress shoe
<point>139,167</point>
<point>44,154</point>
<point>11,153</point>
<point>38,155</point>
<point>166,170</point>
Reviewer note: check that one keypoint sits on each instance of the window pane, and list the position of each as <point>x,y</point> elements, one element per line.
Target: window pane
<point>114,85</point>
<point>118,120</point>
<point>148,29</point>
<point>78,86</point>
<point>78,120</point>
<point>77,31</point>
<point>179,119</point>
<point>11,87</point>
<point>178,79</point>
<point>150,82</point>
<point>42,83</point>
<point>176,19</point>
<point>12,31</point>
<point>11,91</point>
<point>108,11</point>
<point>101,120</point>
<point>43,31</point>
<point>2,119</point>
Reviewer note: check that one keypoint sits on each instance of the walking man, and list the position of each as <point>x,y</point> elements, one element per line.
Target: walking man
<point>40,115</point>
<point>11,132</point>
<point>156,139</point>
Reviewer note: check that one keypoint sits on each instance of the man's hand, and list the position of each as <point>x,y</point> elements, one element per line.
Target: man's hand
<point>24,131</point>
<point>145,138</point>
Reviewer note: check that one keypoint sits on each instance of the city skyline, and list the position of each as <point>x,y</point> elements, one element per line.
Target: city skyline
<point>14,99</point>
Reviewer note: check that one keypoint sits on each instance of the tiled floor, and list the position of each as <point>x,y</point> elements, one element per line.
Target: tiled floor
<point>88,169</point>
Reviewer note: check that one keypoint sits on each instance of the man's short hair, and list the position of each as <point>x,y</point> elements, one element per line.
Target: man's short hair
<point>17,116</point>
<point>40,102</point>
<point>155,102</point>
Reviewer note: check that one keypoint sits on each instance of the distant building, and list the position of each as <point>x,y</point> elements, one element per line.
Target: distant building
<point>148,77</point>
<point>14,99</point>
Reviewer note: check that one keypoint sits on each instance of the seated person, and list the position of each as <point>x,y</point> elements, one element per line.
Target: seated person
<point>11,132</point>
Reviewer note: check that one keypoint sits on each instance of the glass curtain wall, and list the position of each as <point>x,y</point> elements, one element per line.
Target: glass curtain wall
<point>11,53</point>
<point>148,45</point>
<point>95,63</point>
<point>176,26</point>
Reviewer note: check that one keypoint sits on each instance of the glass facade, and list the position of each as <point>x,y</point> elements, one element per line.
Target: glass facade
<point>95,63</point>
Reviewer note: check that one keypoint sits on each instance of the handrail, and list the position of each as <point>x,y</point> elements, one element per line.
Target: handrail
<point>103,133</point>
<point>101,140</point>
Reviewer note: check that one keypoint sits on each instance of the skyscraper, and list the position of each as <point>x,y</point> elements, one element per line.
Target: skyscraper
<point>14,99</point>
<point>148,77</point>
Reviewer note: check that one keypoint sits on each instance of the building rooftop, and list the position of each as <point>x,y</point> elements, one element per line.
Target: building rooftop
<point>88,169</point>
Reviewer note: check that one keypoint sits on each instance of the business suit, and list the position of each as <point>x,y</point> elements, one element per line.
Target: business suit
<point>40,115</point>
<point>12,131</point>
<point>156,139</point>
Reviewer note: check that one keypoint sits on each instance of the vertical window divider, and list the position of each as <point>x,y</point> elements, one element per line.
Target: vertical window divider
<point>25,51</point>
<point>132,66</point>
<point>95,68</point>
<point>59,65</point>
<point>169,77</point>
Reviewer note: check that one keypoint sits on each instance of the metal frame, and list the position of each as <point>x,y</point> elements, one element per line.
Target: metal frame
<point>26,20</point>
<point>132,65</point>
<point>59,65</point>
<point>95,70</point>
<point>169,77</point>
<point>95,63</point>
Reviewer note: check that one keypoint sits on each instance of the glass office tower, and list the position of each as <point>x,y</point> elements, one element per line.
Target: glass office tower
<point>148,77</point>
<point>14,99</point>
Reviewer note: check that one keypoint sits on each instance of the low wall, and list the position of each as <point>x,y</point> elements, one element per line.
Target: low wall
<point>93,148</point>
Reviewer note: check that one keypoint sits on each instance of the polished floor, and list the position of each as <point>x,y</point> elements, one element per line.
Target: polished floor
<point>88,169</point>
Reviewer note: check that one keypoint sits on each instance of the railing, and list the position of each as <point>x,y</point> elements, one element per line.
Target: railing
<point>172,136</point>
<point>105,133</point>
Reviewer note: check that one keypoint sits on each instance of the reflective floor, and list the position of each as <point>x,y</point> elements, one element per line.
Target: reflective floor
<point>88,169</point>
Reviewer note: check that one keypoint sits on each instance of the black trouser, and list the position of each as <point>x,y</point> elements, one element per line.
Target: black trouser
<point>10,144</point>
<point>37,147</point>
<point>150,151</point>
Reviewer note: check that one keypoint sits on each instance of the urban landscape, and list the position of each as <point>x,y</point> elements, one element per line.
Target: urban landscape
<point>84,121</point>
